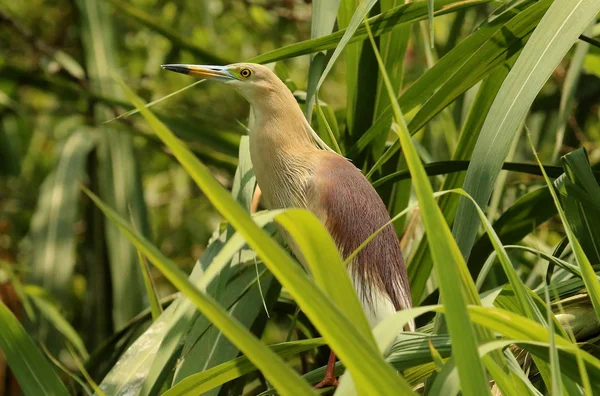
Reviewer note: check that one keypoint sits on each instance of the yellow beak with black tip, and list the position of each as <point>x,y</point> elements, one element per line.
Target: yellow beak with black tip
<point>202,71</point>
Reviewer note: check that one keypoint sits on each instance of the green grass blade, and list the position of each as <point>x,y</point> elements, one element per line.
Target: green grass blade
<point>555,34</point>
<point>413,349</point>
<point>351,61</point>
<point>323,15</point>
<point>205,346</point>
<point>491,346</point>
<point>198,331</point>
<point>517,327</point>
<point>523,297</point>
<point>68,372</point>
<point>117,171</point>
<point>359,14</point>
<point>317,64</point>
<point>34,374</point>
<point>470,132</point>
<point>446,257</point>
<point>155,307</point>
<point>393,47</point>
<point>527,213</point>
<point>154,102</point>
<point>470,61</point>
<point>557,388</point>
<point>456,166</point>
<point>244,182</point>
<point>516,368</point>
<point>210,274</point>
<point>135,367</point>
<point>52,236</point>
<point>380,24</point>
<point>446,382</point>
<point>581,197</point>
<point>430,22</point>
<point>151,353</point>
<point>367,368</point>
<point>282,376</point>
<point>567,97</point>
<point>387,331</point>
<point>43,302</point>
<point>84,373</point>
<point>318,247</point>
<point>324,123</point>
<point>558,262</point>
<point>206,380</point>
<point>510,6</point>
<point>590,279</point>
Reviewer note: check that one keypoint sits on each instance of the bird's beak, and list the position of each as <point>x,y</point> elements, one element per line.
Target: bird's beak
<point>202,71</point>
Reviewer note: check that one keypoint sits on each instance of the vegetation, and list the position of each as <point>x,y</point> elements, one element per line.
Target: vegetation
<point>130,261</point>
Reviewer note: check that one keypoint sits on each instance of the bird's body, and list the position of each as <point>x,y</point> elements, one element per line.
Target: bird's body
<point>293,172</point>
<point>295,169</point>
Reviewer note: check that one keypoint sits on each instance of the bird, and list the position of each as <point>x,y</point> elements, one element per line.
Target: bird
<point>294,168</point>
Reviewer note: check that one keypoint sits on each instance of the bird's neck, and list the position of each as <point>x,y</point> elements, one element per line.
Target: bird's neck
<point>280,147</point>
<point>279,122</point>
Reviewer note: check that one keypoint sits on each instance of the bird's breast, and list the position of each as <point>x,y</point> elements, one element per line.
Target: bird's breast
<point>281,175</point>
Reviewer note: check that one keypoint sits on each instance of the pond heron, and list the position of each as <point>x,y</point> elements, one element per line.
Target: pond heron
<point>294,168</point>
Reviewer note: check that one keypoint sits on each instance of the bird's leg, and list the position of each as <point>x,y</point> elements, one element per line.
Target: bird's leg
<point>329,379</point>
<point>255,200</point>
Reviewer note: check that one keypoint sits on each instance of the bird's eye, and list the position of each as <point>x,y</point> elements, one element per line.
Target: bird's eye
<point>245,73</point>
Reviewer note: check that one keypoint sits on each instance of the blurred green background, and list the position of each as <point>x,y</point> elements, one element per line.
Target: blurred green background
<point>57,92</point>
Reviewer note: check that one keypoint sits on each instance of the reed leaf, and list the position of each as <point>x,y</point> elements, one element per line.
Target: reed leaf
<point>34,373</point>
<point>560,27</point>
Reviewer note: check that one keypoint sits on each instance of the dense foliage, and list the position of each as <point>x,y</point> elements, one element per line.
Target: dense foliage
<point>130,262</point>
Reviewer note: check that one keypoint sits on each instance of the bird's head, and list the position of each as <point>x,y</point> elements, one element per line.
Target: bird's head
<point>267,94</point>
<point>253,81</point>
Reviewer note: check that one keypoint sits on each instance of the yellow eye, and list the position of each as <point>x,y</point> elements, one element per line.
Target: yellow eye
<point>245,73</point>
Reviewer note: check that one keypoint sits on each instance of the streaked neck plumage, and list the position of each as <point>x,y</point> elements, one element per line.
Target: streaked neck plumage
<point>281,146</point>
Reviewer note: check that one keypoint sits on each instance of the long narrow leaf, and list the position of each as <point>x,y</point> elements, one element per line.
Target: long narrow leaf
<point>581,197</point>
<point>359,14</point>
<point>587,272</point>
<point>152,352</point>
<point>53,239</point>
<point>446,257</point>
<point>117,171</point>
<point>470,61</point>
<point>209,379</point>
<point>205,346</point>
<point>283,377</point>
<point>34,373</point>
<point>41,300</point>
<point>322,21</point>
<point>380,24</point>
<point>557,31</point>
<point>318,247</point>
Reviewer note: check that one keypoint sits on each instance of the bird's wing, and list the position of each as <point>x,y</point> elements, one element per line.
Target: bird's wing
<point>351,209</point>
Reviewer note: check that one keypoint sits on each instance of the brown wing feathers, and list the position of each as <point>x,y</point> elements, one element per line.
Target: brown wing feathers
<point>353,211</point>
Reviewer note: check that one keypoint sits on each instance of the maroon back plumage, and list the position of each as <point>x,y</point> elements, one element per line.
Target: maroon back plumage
<point>353,211</point>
